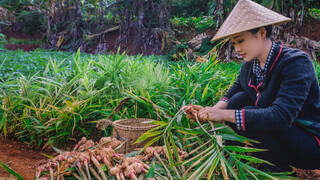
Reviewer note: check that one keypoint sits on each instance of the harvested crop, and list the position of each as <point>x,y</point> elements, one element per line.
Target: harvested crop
<point>86,160</point>
<point>99,161</point>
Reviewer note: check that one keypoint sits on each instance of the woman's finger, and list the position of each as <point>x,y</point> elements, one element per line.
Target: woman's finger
<point>186,108</point>
<point>204,111</point>
<point>197,107</point>
<point>202,116</point>
<point>194,112</point>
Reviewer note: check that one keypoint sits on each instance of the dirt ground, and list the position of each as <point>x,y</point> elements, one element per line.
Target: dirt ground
<point>20,157</point>
<point>24,160</point>
<point>311,30</point>
<point>24,47</point>
<point>19,35</point>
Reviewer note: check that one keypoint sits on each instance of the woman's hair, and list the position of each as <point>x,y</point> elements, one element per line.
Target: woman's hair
<point>268,29</point>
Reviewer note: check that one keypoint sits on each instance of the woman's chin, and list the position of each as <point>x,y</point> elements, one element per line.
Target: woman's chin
<point>247,59</point>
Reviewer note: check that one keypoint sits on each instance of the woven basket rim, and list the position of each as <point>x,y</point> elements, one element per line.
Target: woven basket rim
<point>117,125</point>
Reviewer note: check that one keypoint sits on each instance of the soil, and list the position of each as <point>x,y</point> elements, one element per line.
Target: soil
<point>20,157</point>
<point>19,35</point>
<point>310,30</point>
<point>24,47</point>
<point>307,174</point>
<point>128,47</point>
<point>24,160</point>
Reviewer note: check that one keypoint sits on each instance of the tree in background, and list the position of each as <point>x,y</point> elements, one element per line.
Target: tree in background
<point>146,21</point>
<point>144,24</point>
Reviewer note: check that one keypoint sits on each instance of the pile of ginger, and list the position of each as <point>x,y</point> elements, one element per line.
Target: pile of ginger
<point>89,157</point>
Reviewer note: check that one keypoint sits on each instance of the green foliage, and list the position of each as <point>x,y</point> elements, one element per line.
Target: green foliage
<point>62,96</point>
<point>317,68</point>
<point>208,157</point>
<point>24,41</point>
<point>49,97</point>
<point>11,171</point>
<point>68,93</point>
<point>199,23</point>
<point>202,83</point>
<point>28,63</point>
<point>303,9</point>
<point>206,47</point>
<point>32,22</point>
<point>187,8</point>
<point>315,13</point>
<point>14,5</point>
<point>2,41</point>
<point>178,52</point>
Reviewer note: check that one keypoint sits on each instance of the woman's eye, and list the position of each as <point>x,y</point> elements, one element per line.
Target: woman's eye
<point>240,41</point>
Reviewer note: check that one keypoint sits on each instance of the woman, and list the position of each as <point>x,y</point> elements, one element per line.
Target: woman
<point>276,96</point>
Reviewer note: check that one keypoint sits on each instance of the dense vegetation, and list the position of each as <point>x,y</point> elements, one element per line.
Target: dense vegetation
<point>50,98</point>
<point>41,86</point>
<point>74,24</point>
<point>38,89</point>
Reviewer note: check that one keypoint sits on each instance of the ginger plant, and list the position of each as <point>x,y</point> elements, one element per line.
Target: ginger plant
<point>207,156</point>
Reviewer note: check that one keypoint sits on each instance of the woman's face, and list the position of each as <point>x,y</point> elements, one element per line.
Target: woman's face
<point>248,45</point>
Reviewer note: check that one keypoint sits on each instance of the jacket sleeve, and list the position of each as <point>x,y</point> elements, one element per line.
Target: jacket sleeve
<point>296,79</point>
<point>235,88</point>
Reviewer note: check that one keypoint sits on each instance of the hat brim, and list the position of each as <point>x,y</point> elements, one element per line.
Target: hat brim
<point>247,15</point>
<point>247,29</point>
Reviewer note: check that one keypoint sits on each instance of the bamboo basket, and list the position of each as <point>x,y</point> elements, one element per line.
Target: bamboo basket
<point>128,130</point>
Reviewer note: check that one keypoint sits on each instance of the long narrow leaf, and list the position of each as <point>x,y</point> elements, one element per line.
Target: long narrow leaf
<point>242,149</point>
<point>11,171</point>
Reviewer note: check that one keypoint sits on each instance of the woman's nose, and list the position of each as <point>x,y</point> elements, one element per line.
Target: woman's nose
<point>237,48</point>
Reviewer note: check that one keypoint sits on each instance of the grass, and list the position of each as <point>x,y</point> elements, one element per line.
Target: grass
<point>30,63</point>
<point>11,171</point>
<point>49,98</point>
<point>67,92</point>
<point>208,156</point>
<point>24,41</point>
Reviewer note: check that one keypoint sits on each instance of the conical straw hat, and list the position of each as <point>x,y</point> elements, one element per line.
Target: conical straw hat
<point>247,15</point>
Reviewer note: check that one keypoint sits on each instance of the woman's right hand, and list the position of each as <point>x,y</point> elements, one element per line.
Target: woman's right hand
<point>192,111</point>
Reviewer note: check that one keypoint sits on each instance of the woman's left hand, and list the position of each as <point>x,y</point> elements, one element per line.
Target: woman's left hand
<point>211,113</point>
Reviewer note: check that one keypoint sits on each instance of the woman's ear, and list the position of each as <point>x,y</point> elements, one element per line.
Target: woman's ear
<point>263,32</point>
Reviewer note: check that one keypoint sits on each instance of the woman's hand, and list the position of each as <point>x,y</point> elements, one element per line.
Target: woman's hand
<point>192,111</point>
<point>211,114</point>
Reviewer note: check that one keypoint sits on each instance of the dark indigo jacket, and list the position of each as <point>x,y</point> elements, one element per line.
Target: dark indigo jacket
<point>290,91</point>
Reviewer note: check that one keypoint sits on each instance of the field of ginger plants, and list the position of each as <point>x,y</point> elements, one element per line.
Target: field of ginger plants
<point>52,99</point>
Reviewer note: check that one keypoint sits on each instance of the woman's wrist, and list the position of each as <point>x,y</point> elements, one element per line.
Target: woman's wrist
<point>229,115</point>
<point>221,105</point>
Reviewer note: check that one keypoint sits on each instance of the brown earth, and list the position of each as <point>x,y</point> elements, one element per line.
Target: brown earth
<point>19,35</point>
<point>307,174</point>
<point>24,160</point>
<point>111,39</point>
<point>24,47</point>
<point>20,157</point>
<point>311,30</point>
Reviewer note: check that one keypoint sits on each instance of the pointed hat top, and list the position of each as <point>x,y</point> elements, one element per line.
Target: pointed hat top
<point>247,15</point>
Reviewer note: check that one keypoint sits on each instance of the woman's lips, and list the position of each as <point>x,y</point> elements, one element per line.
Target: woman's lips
<point>243,55</point>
